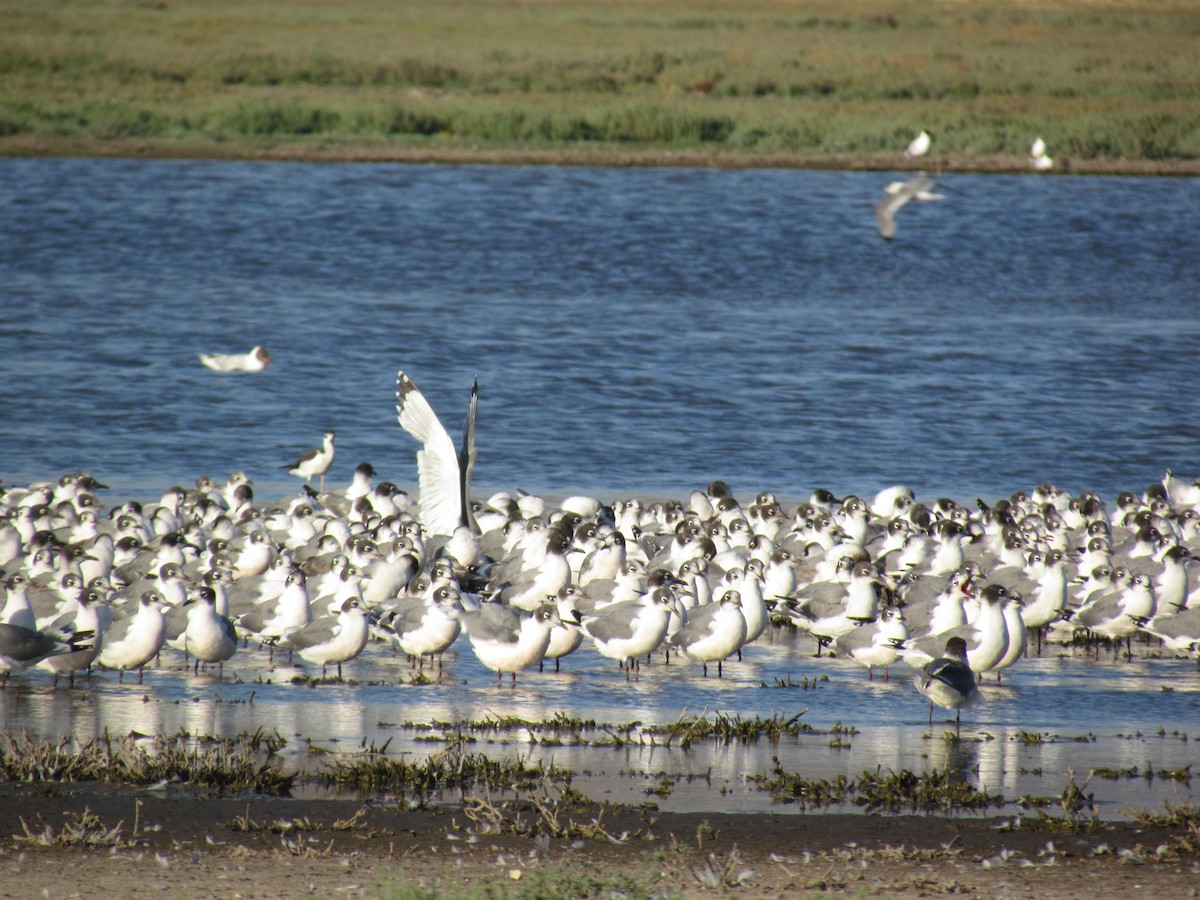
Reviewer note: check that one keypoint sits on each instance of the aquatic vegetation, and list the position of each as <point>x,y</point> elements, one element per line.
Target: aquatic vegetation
<point>725,729</point>
<point>242,764</point>
<point>936,791</point>
<point>449,768</point>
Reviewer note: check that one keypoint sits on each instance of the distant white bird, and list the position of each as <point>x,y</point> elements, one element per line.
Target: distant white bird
<point>899,193</point>
<point>254,361</point>
<point>314,463</point>
<point>443,473</point>
<point>1038,158</point>
<point>919,146</point>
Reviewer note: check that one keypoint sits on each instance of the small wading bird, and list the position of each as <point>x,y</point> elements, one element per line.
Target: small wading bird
<point>254,361</point>
<point>899,193</point>
<point>314,463</point>
<point>948,681</point>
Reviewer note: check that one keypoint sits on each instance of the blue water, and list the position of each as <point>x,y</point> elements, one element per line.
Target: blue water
<point>633,331</point>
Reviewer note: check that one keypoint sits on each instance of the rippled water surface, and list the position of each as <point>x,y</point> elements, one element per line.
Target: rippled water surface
<point>633,332</point>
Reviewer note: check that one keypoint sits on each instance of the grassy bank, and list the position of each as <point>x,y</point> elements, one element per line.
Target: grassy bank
<point>1112,86</point>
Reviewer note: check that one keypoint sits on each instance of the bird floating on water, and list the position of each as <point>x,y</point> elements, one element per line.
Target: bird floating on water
<point>314,463</point>
<point>899,193</point>
<point>919,146</point>
<point>1038,158</point>
<point>254,361</point>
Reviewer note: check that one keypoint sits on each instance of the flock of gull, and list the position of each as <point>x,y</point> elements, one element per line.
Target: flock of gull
<point>921,187</point>
<point>957,593</point>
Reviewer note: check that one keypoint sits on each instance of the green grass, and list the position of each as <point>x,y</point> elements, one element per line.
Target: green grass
<point>736,79</point>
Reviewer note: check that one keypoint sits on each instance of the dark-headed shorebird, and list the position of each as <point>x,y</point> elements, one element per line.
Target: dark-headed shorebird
<point>948,681</point>
<point>314,463</point>
<point>254,361</point>
<point>507,639</point>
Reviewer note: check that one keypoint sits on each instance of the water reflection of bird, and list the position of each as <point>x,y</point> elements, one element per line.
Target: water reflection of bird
<point>899,193</point>
<point>254,361</point>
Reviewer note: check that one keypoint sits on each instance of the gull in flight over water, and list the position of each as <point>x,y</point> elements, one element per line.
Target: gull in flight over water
<point>443,473</point>
<point>898,193</point>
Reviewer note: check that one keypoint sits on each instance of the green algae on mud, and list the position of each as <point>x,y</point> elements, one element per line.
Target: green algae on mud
<point>681,82</point>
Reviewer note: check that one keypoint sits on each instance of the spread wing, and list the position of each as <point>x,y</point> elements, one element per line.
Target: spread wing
<point>439,472</point>
<point>466,459</point>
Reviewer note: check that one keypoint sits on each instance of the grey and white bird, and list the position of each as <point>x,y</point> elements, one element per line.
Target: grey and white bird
<point>209,636</point>
<point>132,642</point>
<point>948,681</point>
<point>898,194</point>
<point>507,639</point>
<point>315,463</point>
<point>443,473</point>
<point>91,618</point>
<point>875,644</point>
<point>426,625</point>
<point>332,640</point>
<point>630,629</point>
<point>254,361</point>
<point>713,632</point>
<point>21,648</point>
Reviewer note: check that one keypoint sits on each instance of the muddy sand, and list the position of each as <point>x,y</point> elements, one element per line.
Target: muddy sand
<point>194,845</point>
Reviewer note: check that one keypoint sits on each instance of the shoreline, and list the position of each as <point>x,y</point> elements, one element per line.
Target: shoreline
<point>226,846</point>
<point>27,147</point>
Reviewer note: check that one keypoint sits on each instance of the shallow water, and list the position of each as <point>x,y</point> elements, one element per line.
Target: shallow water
<point>634,333</point>
<point>1053,715</point>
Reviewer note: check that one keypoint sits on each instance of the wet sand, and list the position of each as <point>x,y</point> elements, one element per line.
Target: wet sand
<point>199,845</point>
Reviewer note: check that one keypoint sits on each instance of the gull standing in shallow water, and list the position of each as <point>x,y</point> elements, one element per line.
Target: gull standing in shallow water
<point>713,632</point>
<point>948,681</point>
<point>254,361</point>
<point>899,193</point>
<point>507,639</point>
